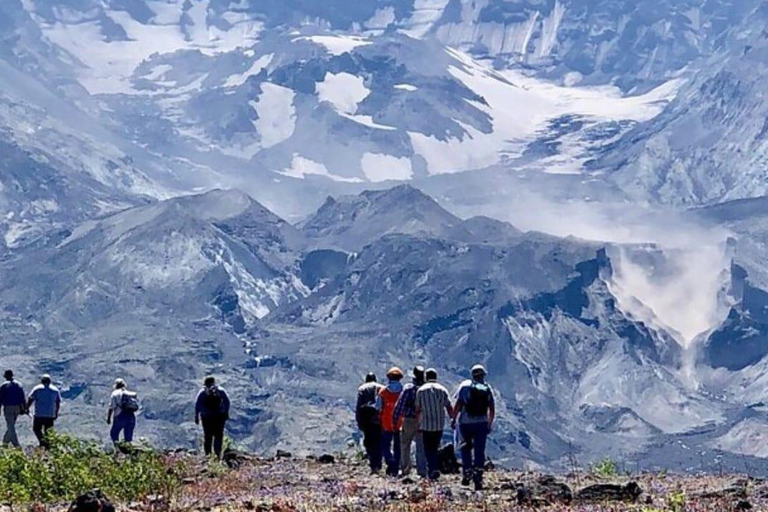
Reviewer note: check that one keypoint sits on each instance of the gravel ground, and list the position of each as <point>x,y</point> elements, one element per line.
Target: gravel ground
<point>307,485</point>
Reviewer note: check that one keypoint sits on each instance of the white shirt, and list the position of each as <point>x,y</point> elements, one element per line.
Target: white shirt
<point>116,401</point>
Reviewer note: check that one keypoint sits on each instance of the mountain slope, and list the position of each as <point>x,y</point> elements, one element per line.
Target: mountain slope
<point>158,294</point>
<point>710,145</point>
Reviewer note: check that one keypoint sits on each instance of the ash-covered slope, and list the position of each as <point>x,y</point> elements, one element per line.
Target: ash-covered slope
<point>710,144</point>
<point>573,371</point>
<point>166,292</point>
<point>62,162</point>
<point>158,294</point>
<point>351,222</point>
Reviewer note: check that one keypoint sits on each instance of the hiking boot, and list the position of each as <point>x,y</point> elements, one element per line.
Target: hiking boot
<point>435,475</point>
<point>466,478</point>
<point>478,479</point>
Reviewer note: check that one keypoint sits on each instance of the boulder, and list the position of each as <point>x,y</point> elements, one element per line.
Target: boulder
<point>546,490</point>
<point>326,459</point>
<point>417,496</point>
<point>736,491</point>
<point>628,493</point>
<point>92,501</point>
<point>236,458</point>
<point>282,454</point>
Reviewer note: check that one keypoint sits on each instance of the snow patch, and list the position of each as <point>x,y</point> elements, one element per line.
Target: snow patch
<point>379,167</point>
<point>337,44</point>
<point>240,78</point>
<point>368,121</point>
<point>520,108</point>
<point>277,114</point>
<point>302,167</point>
<point>343,90</point>
<point>110,64</point>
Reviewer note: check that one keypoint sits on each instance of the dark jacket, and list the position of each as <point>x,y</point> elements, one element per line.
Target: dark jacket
<point>12,394</point>
<point>365,410</point>
<point>203,408</point>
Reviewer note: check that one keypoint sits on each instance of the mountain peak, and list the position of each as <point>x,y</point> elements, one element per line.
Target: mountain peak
<point>351,222</point>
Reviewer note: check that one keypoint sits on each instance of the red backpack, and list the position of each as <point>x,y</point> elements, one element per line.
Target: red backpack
<point>388,401</point>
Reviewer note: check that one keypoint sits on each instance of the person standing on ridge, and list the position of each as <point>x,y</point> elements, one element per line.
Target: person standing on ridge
<point>405,409</point>
<point>432,404</point>
<point>476,409</point>
<point>123,405</point>
<point>47,401</point>
<point>369,420</point>
<point>13,402</point>
<point>212,407</point>
<point>390,430</point>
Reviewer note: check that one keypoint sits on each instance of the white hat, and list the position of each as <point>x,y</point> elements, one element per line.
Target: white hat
<point>478,368</point>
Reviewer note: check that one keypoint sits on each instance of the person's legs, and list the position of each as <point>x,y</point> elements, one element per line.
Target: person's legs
<point>37,428</point>
<point>396,459</point>
<point>207,435</point>
<point>129,426</point>
<point>432,447</point>
<point>386,449</point>
<point>406,439</point>
<point>218,436</point>
<point>117,427</point>
<point>11,415</point>
<point>41,427</point>
<point>368,443</point>
<point>480,439</point>
<point>466,450</point>
<point>47,430</point>
<point>373,439</point>
<point>421,456</point>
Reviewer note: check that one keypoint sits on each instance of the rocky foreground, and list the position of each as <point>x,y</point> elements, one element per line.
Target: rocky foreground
<point>325,484</point>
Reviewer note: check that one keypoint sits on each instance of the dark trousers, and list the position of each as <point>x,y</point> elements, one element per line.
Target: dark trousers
<point>213,434</point>
<point>124,422</point>
<point>41,427</point>
<point>475,438</point>
<point>432,440</point>
<point>372,443</point>
<point>391,453</point>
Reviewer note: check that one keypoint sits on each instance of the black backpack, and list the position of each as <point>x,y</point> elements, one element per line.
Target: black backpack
<point>447,461</point>
<point>479,399</point>
<point>369,414</point>
<point>129,402</point>
<point>212,399</point>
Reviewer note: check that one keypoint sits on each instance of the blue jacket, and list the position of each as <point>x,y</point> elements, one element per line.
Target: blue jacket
<point>12,394</point>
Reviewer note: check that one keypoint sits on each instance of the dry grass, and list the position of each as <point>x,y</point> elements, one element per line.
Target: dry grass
<point>307,486</point>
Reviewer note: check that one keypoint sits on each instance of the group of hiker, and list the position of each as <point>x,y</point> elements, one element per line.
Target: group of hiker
<point>393,417</point>
<point>212,407</point>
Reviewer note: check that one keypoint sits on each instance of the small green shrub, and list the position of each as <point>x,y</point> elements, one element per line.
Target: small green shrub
<point>605,468</point>
<point>676,501</point>
<point>71,467</point>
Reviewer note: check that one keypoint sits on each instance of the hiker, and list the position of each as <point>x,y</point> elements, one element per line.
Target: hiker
<point>476,411</point>
<point>405,409</point>
<point>123,405</point>
<point>390,429</point>
<point>432,404</point>
<point>212,406</point>
<point>369,420</point>
<point>47,401</point>
<point>13,402</point>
